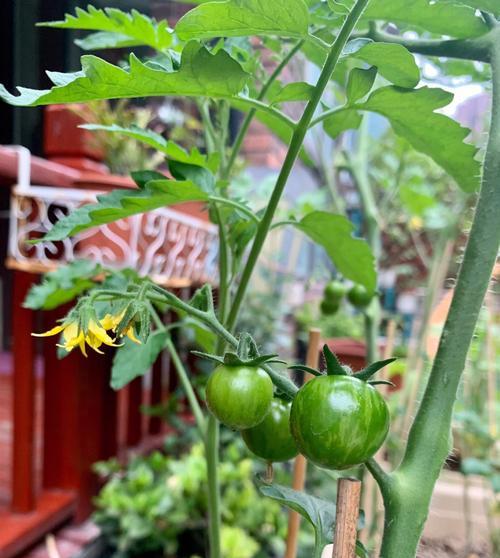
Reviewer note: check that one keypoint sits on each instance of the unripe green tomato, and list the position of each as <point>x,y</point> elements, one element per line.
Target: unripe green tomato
<point>329,307</point>
<point>338,421</point>
<point>335,291</point>
<point>239,396</point>
<point>358,296</point>
<point>272,440</point>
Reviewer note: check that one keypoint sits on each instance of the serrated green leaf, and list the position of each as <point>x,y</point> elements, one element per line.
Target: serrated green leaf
<point>411,114</point>
<point>134,360</point>
<point>394,62</point>
<point>134,25</point>
<point>235,18</point>
<point>298,91</point>
<point>200,74</point>
<point>62,285</point>
<point>441,17</point>
<point>342,120</point>
<point>319,513</point>
<point>119,204</point>
<point>351,256</point>
<point>359,83</point>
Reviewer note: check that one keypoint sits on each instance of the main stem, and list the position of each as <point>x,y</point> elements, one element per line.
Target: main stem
<point>407,497</point>
<point>292,154</point>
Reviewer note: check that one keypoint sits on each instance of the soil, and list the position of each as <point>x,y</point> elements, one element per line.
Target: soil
<point>444,549</point>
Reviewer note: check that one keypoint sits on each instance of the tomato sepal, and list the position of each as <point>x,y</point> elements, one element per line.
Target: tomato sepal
<point>373,368</point>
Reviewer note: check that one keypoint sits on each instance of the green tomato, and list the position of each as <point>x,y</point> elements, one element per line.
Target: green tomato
<point>272,440</point>
<point>239,396</point>
<point>358,296</point>
<point>338,421</point>
<point>335,291</point>
<point>329,307</point>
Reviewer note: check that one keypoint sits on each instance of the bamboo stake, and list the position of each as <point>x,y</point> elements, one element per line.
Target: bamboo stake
<point>346,524</point>
<point>300,464</point>
<point>50,543</point>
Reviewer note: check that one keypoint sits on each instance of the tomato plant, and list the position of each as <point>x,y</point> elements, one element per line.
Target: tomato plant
<point>370,71</point>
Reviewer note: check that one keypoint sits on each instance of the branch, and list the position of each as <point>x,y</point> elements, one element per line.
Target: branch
<point>475,49</point>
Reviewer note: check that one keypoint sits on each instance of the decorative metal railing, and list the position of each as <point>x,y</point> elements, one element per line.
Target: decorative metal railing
<point>166,244</point>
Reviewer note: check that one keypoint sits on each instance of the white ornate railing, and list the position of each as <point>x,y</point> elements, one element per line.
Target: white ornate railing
<point>168,245</point>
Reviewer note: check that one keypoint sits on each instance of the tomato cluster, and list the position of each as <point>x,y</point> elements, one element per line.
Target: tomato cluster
<point>335,291</point>
<point>337,419</point>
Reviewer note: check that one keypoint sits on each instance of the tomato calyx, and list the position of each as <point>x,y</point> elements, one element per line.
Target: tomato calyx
<point>335,368</point>
<point>247,354</point>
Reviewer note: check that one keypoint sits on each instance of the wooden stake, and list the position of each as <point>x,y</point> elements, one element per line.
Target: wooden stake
<point>346,525</point>
<point>300,465</point>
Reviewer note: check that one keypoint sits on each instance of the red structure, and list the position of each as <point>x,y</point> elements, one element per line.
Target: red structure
<point>58,417</point>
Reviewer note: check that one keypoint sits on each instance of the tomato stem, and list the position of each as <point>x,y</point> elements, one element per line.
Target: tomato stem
<point>407,496</point>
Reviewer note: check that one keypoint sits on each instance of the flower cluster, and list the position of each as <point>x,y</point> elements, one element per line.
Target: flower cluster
<point>79,330</point>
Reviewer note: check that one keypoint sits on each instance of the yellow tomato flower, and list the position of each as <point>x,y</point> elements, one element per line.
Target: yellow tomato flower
<point>112,321</point>
<point>74,336</point>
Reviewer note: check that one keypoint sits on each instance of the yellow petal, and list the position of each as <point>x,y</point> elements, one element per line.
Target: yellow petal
<point>53,331</point>
<point>71,331</point>
<point>131,335</point>
<point>74,341</point>
<point>100,333</point>
<point>108,322</point>
<point>82,348</point>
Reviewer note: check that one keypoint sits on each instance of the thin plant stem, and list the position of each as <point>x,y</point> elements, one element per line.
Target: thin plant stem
<point>213,486</point>
<point>292,155</point>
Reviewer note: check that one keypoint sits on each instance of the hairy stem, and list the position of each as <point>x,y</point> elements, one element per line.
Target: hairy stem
<point>475,49</point>
<point>429,438</point>
<point>212,458</point>
<point>292,154</point>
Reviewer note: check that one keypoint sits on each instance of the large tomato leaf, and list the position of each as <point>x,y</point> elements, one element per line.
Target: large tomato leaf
<point>351,256</point>
<point>62,285</point>
<point>200,74</point>
<point>134,360</point>
<point>412,115</point>
<point>119,28</point>
<point>445,18</point>
<point>119,204</point>
<point>236,18</point>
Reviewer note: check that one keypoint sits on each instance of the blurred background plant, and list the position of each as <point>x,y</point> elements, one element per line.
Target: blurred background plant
<point>124,154</point>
